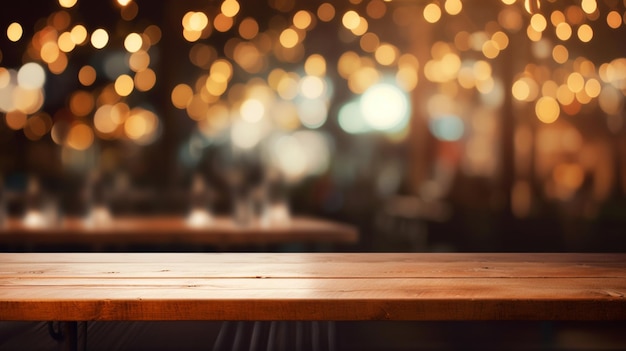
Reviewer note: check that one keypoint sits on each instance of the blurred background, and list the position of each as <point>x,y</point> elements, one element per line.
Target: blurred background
<point>429,125</point>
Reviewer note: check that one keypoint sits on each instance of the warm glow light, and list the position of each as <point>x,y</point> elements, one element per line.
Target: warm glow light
<point>369,42</point>
<point>326,12</point>
<point>31,76</point>
<point>500,39</point>
<point>568,175</point>
<point>139,61</point>
<point>102,120</point>
<point>287,87</point>
<point>129,10</point>
<point>538,22</point>
<point>593,88</point>
<point>27,100</point>
<point>453,7</point>
<point>65,42</point>
<point>222,23</point>
<point>79,34</point>
<point>348,63</point>
<point>560,54</point>
<point>386,54</point>
<point>563,31</point>
<point>289,38</point>
<point>407,77</point>
<point>524,89</point>
<point>141,126</point>
<point>198,21</point>
<point>490,49</point>
<point>221,71</point>
<point>376,9</point>
<point>384,107</point>
<point>312,87</point>
<point>5,77</point>
<point>37,126</point>
<point>15,120</point>
<point>99,38</point>
<point>614,19</point>
<point>589,6</point>
<point>145,80</point>
<point>611,100</point>
<point>50,52</point>
<point>532,6</point>
<point>247,55</point>
<point>252,110</point>
<point>245,135</point>
<point>248,28</point>
<point>67,3</point>
<point>81,103</point>
<point>585,33</point>
<point>362,79</point>
<point>197,108</point>
<point>547,109</point>
<point>510,19</point>
<point>124,85</point>
<point>216,88</point>
<point>315,65</point>
<point>230,8</point>
<point>312,112</point>
<point>575,82</point>
<point>181,95</point>
<point>80,136</point>
<point>351,20</point>
<point>564,95</point>
<point>482,70</point>
<point>290,157</point>
<point>59,65</point>
<point>302,19</point>
<point>432,13</point>
<point>361,28</point>
<point>133,42</point>
<point>14,31</point>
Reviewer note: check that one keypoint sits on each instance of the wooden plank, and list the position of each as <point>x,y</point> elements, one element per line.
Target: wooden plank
<point>400,265</point>
<point>336,299</point>
<point>332,286</point>
<point>308,270</point>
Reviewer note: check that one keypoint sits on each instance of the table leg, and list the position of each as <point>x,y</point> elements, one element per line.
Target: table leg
<point>70,336</point>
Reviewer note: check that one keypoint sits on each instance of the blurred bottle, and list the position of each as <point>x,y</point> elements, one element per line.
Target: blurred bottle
<point>41,208</point>
<point>275,208</point>
<point>199,214</point>
<point>245,177</point>
<point>95,200</point>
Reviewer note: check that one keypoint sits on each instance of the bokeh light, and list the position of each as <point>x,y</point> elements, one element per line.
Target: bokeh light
<point>385,107</point>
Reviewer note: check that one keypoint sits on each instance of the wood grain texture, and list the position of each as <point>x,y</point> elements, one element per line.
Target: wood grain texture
<point>312,286</point>
<point>174,230</point>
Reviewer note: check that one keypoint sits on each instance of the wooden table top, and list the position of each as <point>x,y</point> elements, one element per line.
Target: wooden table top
<point>312,286</point>
<point>164,230</point>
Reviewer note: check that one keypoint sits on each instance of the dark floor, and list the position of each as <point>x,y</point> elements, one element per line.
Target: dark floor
<point>362,336</point>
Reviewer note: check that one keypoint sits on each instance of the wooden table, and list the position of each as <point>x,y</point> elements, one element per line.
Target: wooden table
<point>311,286</point>
<point>162,231</point>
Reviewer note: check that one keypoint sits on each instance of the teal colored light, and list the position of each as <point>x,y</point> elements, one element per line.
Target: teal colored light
<point>447,128</point>
<point>351,119</point>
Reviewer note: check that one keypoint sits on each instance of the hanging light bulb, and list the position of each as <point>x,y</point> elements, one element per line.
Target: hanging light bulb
<point>532,6</point>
